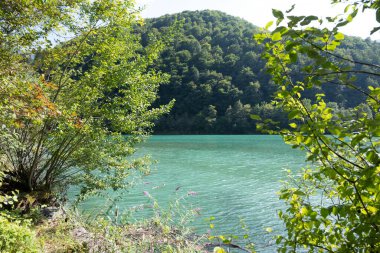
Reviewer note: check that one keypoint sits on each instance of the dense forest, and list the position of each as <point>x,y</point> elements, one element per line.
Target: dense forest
<point>218,78</point>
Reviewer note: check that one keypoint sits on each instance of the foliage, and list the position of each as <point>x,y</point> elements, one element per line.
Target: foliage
<point>151,235</point>
<point>6,199</point>
<point>76,88</point>
<point>333,205</point>
<point>57,235</point>
<point>230,241</point>
<point>109,231</point>
<point>218,78</point>
<point>166,230</point>
<point>211,63</point>
<point>17,236</point>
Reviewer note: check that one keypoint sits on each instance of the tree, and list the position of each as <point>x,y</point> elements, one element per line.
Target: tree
<point>206,119</point>
<point>238,117</point>
<point>333,205</point>
<point>76,105</point>
<point>225,57</point>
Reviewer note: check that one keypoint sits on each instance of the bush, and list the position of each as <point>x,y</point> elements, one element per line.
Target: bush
<point>16,236</point>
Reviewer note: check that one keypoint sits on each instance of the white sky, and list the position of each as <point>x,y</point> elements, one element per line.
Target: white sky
<point>259,12</point>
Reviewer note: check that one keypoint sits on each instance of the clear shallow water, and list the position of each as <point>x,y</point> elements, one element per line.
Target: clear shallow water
<point>228,177</point>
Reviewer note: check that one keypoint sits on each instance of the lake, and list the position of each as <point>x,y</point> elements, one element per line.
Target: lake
<point>229,177</point>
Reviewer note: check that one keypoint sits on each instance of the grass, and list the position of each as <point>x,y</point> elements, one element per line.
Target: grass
<point>73,233</point>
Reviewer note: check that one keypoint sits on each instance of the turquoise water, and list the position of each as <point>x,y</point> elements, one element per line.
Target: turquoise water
<point>228,177</point>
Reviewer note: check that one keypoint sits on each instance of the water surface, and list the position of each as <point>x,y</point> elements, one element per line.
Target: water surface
<point>228,177</point>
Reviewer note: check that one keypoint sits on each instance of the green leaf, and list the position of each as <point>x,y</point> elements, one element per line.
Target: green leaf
<point>294,20</point>
<point>299,193</point>
<point>293,125</point>
<point>276,36</point>
<point>281,29</point>
<point>372,157</point>
<point>347,8</point>
<point>226,241</point>
<point>304,211</point>
<point>378,15</point>
<point>355,141</point>
<point>331,47</point>
<point>372,209</point>
<point>277,14</point>
<point>293,56</point>
<point>308,20</point>
<point>335,210</point>
<point>290,45</point>
<point>255,117</point>
<point>343,23</point>
<point>375,29</point>
<point>299,139</point>
<point>354,13</point>
<point>311,53</point>
<point>339,36</point>
<point>291,9</point>
<point>269,24</point>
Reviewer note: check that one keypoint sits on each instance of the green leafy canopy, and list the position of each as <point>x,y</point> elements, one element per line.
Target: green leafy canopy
<point>332,205</point>
<point>74,109</point>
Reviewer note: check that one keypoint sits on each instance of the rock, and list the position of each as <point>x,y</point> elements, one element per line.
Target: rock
<point>51,212</point>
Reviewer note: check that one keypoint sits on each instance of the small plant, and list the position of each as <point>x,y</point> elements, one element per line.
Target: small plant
<point>16,235</point>
<point>165,230</point>
<point>224,243</point>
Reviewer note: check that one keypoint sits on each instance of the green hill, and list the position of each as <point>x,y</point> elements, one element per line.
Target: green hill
<point>218,78</point>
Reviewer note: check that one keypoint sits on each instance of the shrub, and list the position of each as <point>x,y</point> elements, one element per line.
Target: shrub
<point>17,236</point>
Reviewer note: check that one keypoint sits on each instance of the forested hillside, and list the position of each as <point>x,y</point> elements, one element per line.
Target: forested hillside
<point>218,78</point>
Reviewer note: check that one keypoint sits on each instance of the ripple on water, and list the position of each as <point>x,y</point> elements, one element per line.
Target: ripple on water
<point>234,178</point>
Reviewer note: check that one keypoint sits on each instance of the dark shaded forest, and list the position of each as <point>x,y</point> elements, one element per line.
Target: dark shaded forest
<point>218,78</point>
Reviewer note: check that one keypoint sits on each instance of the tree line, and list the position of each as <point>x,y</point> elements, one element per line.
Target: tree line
<point>218,78</point>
